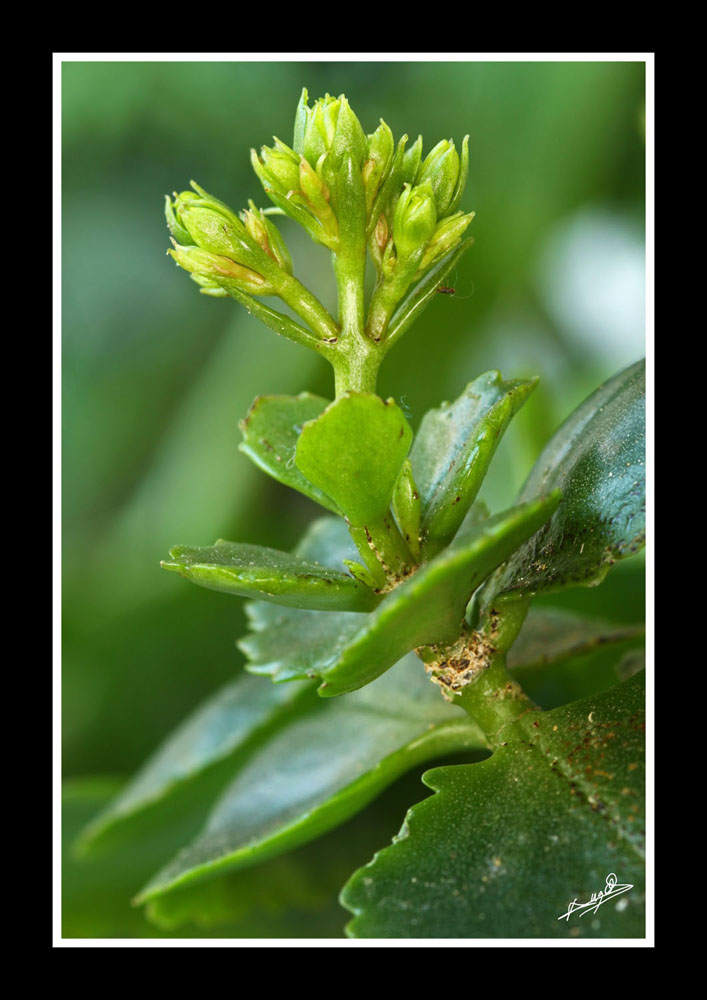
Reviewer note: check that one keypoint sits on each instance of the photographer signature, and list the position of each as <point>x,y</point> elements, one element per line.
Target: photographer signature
<point>612,888</point>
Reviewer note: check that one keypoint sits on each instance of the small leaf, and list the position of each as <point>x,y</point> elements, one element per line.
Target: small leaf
<point>354,453</point>
<point>319,771</point>
<point>505,845</point>
<point>270,432</point>
<point>406,508</point>
<point>453,449</point>
<point>287,579</point>
<point>428,607</point>
<point>597,458</point>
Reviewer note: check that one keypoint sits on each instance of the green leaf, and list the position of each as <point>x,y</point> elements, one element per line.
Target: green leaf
<point>551,635</point>
<point>320,770</point>
<point>428,607</point>
<point>287,643</point>
<point>597,458</point>
<point>505,845</point>
<point>354,452</point>
<point>224,728</point>
<point>453,449</point>
<point>270,432</point>
<point>242,569</point>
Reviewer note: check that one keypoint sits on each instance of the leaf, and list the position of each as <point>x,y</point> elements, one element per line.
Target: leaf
<point>232,720</point>
<point>453,449</point>
<point>320,770</point>
<point>597,459</point>
<point>551,635</point>
<point>505,845</point>
<point>354,453</point>
<point>270,432</point>
<point>242,569</point>
<point>428,607</point>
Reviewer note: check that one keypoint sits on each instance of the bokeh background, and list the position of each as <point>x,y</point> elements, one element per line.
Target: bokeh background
<point>156,377</point>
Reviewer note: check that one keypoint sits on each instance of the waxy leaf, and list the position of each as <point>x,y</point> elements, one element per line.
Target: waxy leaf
<point>270,432</point>
<point>453,449</point>
<point>287,579</point>
<point>551,635</point>
<point>354,453</point>
<point>597,458</point>
<point>320,770</point>
<point>428,607</point>
<point>506,845</point>
<point>229,723</point>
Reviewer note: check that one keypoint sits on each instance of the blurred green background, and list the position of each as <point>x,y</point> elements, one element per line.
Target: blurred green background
<point>156,376</point>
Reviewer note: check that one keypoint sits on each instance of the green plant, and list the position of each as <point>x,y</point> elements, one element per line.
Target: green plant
<point>408,569</point>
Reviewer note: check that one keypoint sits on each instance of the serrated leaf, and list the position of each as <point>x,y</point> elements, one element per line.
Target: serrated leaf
<point>270,432</point>
<point>506,845</point>
<point>246,570</point>
<point>453,449</point>
<point>428,607</point>
<point>597,458</point>
<point>354,453</point>
<point>231,721</point>
<point>320,770</point>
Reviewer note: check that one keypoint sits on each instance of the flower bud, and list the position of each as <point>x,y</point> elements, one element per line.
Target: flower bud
<point>376,169</point>
<point>267,236</point>
<point>414,220</point>
<point>277,169</point>
<point>212,225</point>
<point>329,126</point>
<point>411,162</point>
<point>446,174</point>
<point>446,237</point>
<point>220,270</point>
<point>175,227</point>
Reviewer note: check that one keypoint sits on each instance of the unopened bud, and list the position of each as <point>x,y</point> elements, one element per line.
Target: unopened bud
<point>411,162</point>
<point>268,237</point>
<point>277,169</point>
<point>220,269</point>
<point>446,174</point>
<point>381,147</point>
<point>328,126</point>
<point>414,221</point>
<point>446,237</point>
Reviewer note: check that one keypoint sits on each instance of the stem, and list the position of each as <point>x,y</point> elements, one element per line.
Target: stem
<point>308,306</point>
<point>382,546</point>
<point>357,361</point>
<point>472,669</point>
<point>494,699</point>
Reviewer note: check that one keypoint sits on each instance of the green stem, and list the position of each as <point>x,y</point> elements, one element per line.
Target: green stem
<point>494,699</point>
<point>308,306</point>
<point>384,542</point>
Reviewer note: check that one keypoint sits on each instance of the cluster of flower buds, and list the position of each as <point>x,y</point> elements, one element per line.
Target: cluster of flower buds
<point>350,192</point>
<point>222,251</point>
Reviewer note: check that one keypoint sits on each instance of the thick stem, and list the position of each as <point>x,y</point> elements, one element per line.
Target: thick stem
<point>494,699</point>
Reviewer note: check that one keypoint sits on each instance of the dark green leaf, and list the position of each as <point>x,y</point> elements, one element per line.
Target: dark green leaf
<point>281,577</point>
<point>270,432</point>
<point>354,452</point>
<point>507,844</point>
<point>453,449</point>
<point>597,458</point>
<point>320,770</point>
